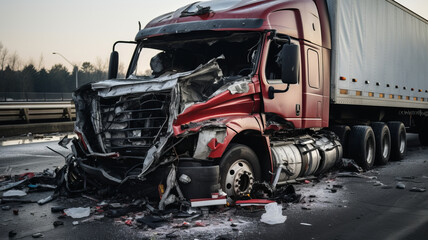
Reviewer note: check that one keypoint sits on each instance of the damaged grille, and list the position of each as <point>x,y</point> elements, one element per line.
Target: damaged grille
<point>132,124</point>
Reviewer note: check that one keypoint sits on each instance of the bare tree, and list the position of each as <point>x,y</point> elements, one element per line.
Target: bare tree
<point>3,57</point>
<point>14,61</point>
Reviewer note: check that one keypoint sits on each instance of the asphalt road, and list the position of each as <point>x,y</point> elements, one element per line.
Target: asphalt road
<point>357,210</point>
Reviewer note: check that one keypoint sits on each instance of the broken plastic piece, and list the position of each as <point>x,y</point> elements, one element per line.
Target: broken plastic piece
<point>75,223</point>
<point>79,212</point>
<point>273,214</point>
<point>253,202</point>
<point>14,193</point>
<point>184,179</point>
<point>306,224</point>
<point>204,202</point>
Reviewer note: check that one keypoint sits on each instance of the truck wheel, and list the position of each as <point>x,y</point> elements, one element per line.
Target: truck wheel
<point>342,131</point>
<point>383,142</point>
<point>362,146</point>
<point>239,168</point>
<point>398,140</point>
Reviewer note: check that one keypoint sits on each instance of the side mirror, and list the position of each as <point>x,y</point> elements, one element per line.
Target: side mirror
<point>290,63</point>
<point>113,65</point>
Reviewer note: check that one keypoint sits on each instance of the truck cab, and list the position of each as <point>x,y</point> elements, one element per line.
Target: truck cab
<point>235,90</point>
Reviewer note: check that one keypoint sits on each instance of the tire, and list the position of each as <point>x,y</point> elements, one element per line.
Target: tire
<point>362,146</point>
<point>383,142</point>
<point>342,131</point>
<point>239,168</point>
<point>398,140</point>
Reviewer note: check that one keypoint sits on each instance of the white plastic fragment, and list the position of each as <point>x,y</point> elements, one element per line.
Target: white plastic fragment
<point>273,214</point>
<point>79,212</point>
<point>75,223</point>
<point>306,224</point>
<point>184,178</point>
<point>14,193</point>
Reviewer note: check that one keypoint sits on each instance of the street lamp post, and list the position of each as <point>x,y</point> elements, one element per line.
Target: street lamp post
<point>74,66</point>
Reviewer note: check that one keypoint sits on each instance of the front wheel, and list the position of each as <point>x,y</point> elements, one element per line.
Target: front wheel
<point>239,168</point>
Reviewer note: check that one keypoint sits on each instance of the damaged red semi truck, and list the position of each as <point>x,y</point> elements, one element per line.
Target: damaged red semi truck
<point>221,94</point>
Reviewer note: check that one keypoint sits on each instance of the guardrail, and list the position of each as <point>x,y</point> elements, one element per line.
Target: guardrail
<point>27,112</point>
<point>34,96</point>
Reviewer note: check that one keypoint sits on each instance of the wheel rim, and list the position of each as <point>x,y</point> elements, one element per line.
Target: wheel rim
<point>402,142</point>
<point>386,147</point>
<point>370,151</point>
<point>239,179</point>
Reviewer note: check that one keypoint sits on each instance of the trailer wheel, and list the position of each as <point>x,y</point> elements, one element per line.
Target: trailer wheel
<point>383,142</point>
<point>342,131</point>
<point>398,140</point>
<point>239,168</point>
<point>362,146</point>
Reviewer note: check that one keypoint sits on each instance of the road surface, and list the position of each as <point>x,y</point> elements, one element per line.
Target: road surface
<point>357,209</point>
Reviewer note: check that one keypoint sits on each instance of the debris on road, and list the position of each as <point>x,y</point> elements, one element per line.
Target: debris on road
<point>306,224</point>
<point>14,193</point>
<point>417,189</point>
<point>78,212</point>
<point>273,214</point>
<point>400,185</point>
<point>37,235</point>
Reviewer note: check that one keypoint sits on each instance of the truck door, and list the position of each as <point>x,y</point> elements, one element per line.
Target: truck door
<point>288,105</point>
<point>313,88</point>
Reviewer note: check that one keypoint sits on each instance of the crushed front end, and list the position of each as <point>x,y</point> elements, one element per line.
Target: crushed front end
<point>143,132</point>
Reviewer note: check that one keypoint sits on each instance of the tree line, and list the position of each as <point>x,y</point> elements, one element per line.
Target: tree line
<point>15,77</point>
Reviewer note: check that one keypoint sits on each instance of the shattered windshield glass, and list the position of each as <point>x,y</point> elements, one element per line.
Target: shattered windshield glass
<point>168,55</point>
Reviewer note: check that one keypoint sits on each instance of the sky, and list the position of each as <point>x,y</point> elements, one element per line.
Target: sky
<point>84,31</point>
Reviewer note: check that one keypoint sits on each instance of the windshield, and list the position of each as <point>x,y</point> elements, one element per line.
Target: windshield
<point>184,52</point>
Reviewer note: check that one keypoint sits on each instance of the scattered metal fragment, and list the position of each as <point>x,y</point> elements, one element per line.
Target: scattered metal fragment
<point>47,199</point>
<point>400,185</point>
<point>37,235</point>
<point>12,185</point>
<point>416,189</point>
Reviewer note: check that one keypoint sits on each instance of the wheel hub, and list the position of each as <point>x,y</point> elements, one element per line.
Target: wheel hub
<point>239,179</point>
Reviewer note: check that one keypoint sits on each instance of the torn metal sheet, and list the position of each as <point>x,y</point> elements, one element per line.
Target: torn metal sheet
<point>205,136</point>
